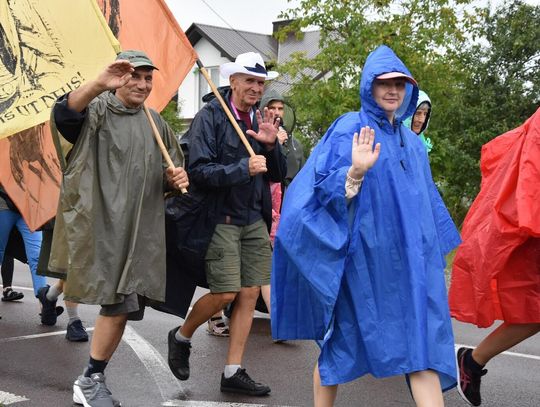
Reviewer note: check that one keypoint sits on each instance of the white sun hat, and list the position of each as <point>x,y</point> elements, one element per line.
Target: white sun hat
<point>250,63</point>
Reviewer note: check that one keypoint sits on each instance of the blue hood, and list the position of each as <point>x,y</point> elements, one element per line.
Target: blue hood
<point>381,61</point>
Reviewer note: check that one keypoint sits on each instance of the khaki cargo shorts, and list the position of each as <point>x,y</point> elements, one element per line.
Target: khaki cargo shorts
<point>238,256</point>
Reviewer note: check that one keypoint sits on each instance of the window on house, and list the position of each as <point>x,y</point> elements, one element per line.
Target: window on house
<point>204,87</point>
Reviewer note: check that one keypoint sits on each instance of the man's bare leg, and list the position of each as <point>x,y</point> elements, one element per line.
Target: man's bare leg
<point>240,323</point>
<point>107,335</point>
<point>203,309</point>
<point>265,291</point>
<point>235,379</point>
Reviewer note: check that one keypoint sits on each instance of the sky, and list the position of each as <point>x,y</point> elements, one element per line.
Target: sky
<point>246,15</point>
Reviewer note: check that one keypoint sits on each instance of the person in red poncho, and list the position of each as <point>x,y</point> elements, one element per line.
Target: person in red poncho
<point>496,271</point>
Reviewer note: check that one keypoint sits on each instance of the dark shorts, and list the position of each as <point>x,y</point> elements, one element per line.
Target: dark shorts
<point>133,305</point>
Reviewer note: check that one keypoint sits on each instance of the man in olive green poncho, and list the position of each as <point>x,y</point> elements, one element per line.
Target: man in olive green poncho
<point>109,237</point>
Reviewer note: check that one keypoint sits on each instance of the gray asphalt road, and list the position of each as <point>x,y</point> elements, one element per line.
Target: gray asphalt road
<point>38,366</point>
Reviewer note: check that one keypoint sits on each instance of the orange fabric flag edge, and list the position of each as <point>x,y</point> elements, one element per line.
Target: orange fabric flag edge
<point>163,41</point>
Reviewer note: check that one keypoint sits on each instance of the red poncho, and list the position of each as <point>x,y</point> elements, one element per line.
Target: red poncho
<point>496,271</point>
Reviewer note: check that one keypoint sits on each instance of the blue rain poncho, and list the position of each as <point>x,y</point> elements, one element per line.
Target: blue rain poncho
<point>366,278</point>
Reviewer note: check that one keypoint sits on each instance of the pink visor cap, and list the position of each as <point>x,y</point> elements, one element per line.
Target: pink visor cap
<point>394,75</point>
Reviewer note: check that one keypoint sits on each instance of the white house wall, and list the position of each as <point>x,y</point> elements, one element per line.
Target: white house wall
<point>188,98</point>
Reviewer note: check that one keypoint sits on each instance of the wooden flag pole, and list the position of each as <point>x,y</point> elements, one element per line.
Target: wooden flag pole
<point>226,109</point>
<point>162,147</point>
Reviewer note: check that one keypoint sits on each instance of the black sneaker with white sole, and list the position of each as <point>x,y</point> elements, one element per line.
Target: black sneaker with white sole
<point>469,378</point>
<point>240,382</point>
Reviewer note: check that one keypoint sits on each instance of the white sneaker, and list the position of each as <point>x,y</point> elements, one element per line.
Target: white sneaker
<point>217,327</point>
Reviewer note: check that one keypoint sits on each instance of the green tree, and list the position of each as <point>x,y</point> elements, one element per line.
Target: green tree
<point>499,90</point>
<point>481,69</point>
<point>170,114</point>
<point>424,33</point>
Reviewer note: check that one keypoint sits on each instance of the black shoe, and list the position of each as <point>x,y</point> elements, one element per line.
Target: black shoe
<point>240,382</point>
<point>50,311</point>
<point>10,295</point>
<point>469,378</point>
<point>76,332</point>
<point>178,356</point>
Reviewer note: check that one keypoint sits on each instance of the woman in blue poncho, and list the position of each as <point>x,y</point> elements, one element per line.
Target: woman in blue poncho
<point>355,267</point>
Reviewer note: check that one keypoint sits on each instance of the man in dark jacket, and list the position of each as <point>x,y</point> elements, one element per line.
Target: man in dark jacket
<point>238,258</point>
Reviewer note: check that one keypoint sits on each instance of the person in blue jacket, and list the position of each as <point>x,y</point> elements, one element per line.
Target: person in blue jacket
<point>354,266</point>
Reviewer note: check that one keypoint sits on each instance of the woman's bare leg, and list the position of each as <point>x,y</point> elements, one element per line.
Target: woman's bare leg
<point>426,389</point>
<point>323,396</point>
<point>501,339</point>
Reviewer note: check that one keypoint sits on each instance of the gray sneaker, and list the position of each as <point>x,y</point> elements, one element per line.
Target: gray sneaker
<point>93,392</point>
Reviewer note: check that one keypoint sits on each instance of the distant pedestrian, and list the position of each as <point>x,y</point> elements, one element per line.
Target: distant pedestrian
<point>419,121</point>
<point>48,296</point>
<point>10,217</point>
<point>291,146</point>
<point>8,293</point>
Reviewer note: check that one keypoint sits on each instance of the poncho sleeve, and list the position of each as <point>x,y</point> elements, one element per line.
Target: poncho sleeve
<point>312,241</point>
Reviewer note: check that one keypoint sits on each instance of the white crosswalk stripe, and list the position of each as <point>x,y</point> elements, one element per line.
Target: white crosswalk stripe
<point>9,398</point>
<point>514,354</point>
<point>35,336</point>
<point>154,363</point>
<point>183,403</point>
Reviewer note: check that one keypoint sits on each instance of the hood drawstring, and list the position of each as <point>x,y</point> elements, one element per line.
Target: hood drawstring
<point>402,144</point>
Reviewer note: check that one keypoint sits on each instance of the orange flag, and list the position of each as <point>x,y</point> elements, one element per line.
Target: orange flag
<point>31,173</point>
<point>149,26</point>
<point>29,168</point>
<point>46,49</point>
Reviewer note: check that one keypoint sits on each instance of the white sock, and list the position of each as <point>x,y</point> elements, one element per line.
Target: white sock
<point>53,293</point>
<point>73,313</point>
<point>230,370</point>
<point>181,338</point>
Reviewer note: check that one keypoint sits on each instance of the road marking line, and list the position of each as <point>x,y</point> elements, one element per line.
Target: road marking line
<point>180,403</point>
<point>515,354</point>
<point>154,363</point>
<point>9,398</point>
<point>18,338</point>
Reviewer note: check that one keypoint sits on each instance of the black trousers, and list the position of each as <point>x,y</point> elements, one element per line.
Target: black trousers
<point>7,271</point>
